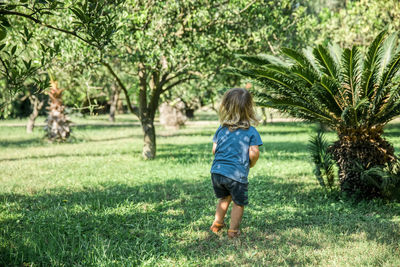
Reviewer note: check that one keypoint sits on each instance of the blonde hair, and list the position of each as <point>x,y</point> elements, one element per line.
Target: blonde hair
<point>236,110</point>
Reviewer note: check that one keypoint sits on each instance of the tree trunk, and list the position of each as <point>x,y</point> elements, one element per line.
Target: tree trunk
<point>36,106</point>
<point>149,139</point>
<point>147,111</point>
<point>366,148</point>
<point>113,101</point>
<point>264,116</point>
<point>147,102</point>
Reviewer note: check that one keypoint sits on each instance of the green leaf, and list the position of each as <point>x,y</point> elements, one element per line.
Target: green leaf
<point>27,64</point>
<point>26,31</point>
<point>79,13</point>
<point>4,21</point>
<point>2,46</point>
<point>13,50</point>
<point>3,33</point>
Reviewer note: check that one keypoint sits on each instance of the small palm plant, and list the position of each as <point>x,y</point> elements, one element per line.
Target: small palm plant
<point>323,169</point>
<point>57,127</point>
<point>353,94</point>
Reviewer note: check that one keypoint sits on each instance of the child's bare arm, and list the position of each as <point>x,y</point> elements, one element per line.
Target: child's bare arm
<point>254,153</point>
<point>214,147</point>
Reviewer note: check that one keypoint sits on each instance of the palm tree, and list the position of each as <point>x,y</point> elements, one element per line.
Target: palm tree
<point>356,95</point>
<point>57,127</point>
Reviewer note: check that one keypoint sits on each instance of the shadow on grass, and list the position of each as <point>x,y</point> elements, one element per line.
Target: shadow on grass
<point>202,152</point>
<point>120,224</point>
<point>42,141</point>
<point>89,140</point>
<point>71,155</point>
<point>175,133</point>
<point>105,126</point>
<point>39,141</point>
<point>392,130</point>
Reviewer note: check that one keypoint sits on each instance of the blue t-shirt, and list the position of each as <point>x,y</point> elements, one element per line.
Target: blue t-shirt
<point>232,152</point>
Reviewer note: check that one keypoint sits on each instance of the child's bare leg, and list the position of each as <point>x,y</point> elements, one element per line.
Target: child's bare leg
<point>236,216</point>
<point>222,208</point>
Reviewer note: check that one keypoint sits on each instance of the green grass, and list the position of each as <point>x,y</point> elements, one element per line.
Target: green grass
<point>95,202</point>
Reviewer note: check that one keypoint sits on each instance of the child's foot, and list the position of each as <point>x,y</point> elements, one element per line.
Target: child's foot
<point>233,233</point>
<point>216,227</point>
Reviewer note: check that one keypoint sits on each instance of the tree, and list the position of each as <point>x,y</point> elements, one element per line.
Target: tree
<point>18,47</point>
<point>167,44</point>
<point>57,127</point>
<point>354,95</point>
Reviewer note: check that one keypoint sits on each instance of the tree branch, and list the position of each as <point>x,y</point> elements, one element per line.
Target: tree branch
<point>178,82</point>
<point>37,21</point>
<point>163,82</point>
<point>164,78</point>
<point>133,109</point>
<point>249,5</point>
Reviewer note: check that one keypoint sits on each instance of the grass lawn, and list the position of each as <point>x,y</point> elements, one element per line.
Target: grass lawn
<point>95,202</point>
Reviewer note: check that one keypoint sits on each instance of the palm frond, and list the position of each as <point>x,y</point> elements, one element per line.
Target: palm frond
<point>391,69</point>
<point>387,50</point>
<point>276,60</point>
<point>297,57</point>
<point>388,115</point>
<point>258,60</point>
<point>391,103</point>
<point>305,74</point>
<point>308,54</point>
<point>348,116</point>
<point>361,110</point>
<point>325,60</point>
<point>328,94</point>
<point>336,53</point>
<point>370,66</point>
<point>385,178</point>
<point>351,73</point>
<point>323,162</point>
<point>298,109</point>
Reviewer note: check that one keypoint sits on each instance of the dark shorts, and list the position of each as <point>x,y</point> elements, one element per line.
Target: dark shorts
<point>224,186</point>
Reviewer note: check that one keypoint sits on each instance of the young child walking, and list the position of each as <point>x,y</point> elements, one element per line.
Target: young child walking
<point>235,146</point>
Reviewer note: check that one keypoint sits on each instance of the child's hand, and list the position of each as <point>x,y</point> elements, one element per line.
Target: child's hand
<point>254,153</point>
<point>214,148</point>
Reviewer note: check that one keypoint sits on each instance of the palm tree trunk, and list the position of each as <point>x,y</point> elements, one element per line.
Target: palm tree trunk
<point>363,147</point>
<point>57,127</point>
